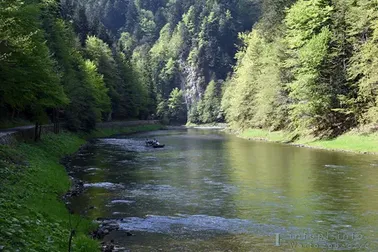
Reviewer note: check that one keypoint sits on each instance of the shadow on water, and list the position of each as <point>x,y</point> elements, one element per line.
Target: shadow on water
<point>211,191</point>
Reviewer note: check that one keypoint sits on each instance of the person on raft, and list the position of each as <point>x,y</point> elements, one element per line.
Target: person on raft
<point>152,142</point>
<point>149,142</point>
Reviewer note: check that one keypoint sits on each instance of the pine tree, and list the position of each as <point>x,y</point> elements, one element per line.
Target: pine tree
<point>362,30</point>
<point>308,36</point>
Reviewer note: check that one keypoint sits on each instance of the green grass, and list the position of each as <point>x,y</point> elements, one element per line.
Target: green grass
<point>32,181</point>
<point>352,141</point>
<point>189,124</point>
<point>121,130</point>
<point>260,134</point>
<point>349,142</point>
<point>32,216</point>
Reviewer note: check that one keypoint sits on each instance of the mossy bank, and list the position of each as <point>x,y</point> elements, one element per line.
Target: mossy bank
<point>33,216</point>
<point>359,141</point>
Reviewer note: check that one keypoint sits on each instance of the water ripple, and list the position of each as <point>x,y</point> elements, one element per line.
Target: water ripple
<point>187,224</point>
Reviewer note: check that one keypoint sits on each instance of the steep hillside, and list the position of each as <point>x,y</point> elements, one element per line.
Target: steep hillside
<point>174,44</point>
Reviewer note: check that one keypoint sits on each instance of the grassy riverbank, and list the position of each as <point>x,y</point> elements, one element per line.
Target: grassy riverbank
<point>354,141</point>
<point>120,130</point>
<point>206,125</point>
<point>32,181</point>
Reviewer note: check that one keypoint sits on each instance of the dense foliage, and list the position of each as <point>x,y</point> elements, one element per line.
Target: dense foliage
<point>171,44</point>
<point>47,71</point>
<point>33,216</point>
<point>310,70</point>
<point>307,66</point>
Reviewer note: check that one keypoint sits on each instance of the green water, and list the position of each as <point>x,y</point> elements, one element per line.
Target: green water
<point>209,191</point>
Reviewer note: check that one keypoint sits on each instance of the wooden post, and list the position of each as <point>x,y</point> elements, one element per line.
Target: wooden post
<point>13,113</point>
<point>39,132</point>
<point>36,131</point>
<point>55,121</point>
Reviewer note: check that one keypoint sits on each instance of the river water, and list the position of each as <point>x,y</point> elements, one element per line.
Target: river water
<point>210,191</point>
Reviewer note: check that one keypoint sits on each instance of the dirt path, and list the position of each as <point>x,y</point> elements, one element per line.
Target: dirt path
<point>4,132</point>
<point>6,135</point>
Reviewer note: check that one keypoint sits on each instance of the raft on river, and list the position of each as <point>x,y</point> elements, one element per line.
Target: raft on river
<point>159,146</point>
<point>154,144</point>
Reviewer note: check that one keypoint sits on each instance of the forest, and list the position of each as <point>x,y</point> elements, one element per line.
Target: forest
<point>306,66</point>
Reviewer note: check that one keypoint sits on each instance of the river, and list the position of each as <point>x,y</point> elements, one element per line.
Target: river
<point>211,191</point>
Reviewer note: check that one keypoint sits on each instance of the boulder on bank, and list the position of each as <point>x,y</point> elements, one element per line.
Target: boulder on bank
<point>107,246</point>
<point>105,228</point>
<point>76,189</point>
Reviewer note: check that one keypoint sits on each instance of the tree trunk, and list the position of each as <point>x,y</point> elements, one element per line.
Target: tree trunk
<point>36,131</point>
<point>39,132</point>
<point>55,121</point>
<point>72,233</point>
<point>13,113</point>
<point>109,117</point>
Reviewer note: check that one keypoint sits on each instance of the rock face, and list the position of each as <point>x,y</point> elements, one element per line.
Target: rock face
<point>190,83</point>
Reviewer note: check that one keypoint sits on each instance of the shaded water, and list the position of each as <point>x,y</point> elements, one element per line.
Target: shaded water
<point>209,191</point>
